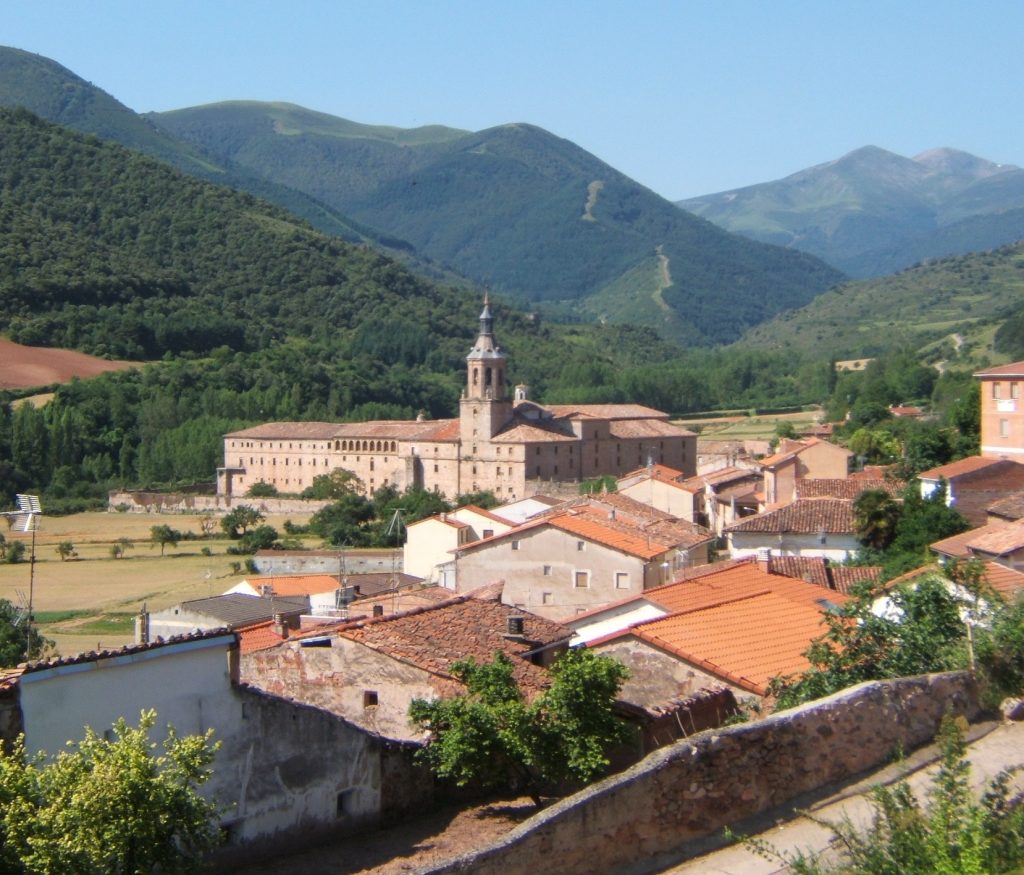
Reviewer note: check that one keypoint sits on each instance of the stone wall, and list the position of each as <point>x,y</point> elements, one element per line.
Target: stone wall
<point>693,788</point>
<point>179,502</point>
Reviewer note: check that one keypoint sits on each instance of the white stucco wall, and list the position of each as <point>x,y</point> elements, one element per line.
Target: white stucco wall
<point>837,548</point>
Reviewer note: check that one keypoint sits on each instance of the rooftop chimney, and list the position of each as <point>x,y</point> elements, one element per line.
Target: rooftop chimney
<point>515,627</point>
<point>764,558</point>
<point>280,628</point>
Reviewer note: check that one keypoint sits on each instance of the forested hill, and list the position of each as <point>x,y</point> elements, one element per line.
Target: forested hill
<point>111,252</point>
<point>521,210</point>
<point>56,94</point>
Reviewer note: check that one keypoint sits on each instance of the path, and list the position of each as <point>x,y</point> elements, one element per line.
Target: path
<point>994,747</point>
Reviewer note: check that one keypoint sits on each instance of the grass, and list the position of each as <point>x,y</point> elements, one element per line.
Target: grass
<point>91,601</point>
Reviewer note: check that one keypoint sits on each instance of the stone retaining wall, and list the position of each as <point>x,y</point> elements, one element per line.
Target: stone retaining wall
<point>694,788</point>
<point>181,502</point>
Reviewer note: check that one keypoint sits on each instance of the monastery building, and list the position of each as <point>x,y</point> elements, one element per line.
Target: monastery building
<point>513,447</point>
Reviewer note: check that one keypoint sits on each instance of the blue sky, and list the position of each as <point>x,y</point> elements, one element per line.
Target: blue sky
<point>685,97</point>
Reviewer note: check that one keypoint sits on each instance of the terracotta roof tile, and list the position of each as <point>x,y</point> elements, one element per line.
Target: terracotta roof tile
<point>285,430</point>
<point>295,584</point>
<point>846,488</point>
<point>645,428</point>
<point>970,465</point>
<point>464,627</point>
<point>1009,508</point>
<point>1014,369</point>
<point>997,540</point>
<point>746,641</point>
<point>804,516</point>
<point>606,411</point>
<point>657,470</point>
<point>258,636</point>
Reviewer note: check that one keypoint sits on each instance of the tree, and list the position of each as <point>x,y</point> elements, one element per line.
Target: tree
<point>336,484</point>
<point>207,523</point>
<point>66,550</point>
<point>260,538</point>
<point>109,805</point>
<point>494,736</point>
<point>262,490</point>
<point>485,499</point>
<point>120,547</point>
<point>344,522</point>
<point>14,637</point>
<point>15,552</point>
<point>920,631</point>
<point>236,523</point>
<point>876,516</point>
<point>164,535</point>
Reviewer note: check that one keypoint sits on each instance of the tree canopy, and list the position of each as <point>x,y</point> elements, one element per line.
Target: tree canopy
<point>493,736</point>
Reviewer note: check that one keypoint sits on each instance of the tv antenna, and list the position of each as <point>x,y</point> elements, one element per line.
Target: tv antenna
<point>27,520</point>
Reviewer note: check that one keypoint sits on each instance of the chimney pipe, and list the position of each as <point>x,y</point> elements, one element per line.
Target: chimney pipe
<point>280,629</point>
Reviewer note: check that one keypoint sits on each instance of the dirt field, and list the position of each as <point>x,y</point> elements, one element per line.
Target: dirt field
<point>22,367</point>
<point>748,427</point>
<point>88,602</point>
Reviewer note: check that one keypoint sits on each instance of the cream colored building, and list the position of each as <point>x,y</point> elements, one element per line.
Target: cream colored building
<point>430,542</point>
<point>512,447</point>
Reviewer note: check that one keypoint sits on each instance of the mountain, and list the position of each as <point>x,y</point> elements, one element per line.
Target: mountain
<point>514,207</point>
<point>873,212</point>
<point>54,93</point>
<point>950,298</point>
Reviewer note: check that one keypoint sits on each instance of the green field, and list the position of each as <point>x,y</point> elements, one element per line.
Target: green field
<point>90,602</point>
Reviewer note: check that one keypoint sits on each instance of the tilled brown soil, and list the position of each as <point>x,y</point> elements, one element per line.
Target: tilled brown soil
<point>414,844</point>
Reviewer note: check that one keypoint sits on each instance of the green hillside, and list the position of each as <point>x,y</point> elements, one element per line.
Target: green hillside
<point>872,212</point>
<point>517,208</point>
<point>922,305</point>
<point>54,93</point>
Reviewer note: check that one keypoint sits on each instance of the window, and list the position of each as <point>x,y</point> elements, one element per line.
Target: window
<point>545,598</point>
<point>369,698</point>
<point>515,545</point>
<point>581,546</point>
<point>488,533</point>
<point>622,580</point>
<point>1015,390</point>
<point>581,579</point>
<point>996,390</point>
<point>1004,428</point>
<point>547,571</point>
<point>435,468</point>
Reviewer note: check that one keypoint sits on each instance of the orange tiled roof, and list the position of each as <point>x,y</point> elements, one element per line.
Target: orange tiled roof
<point>1006,581</point>
<point>295,584</point>
<point>605,411</point>
<point>633,543</point>
<point>820,572</point>
<point>258,636</point>
<point>832,516</point>
<point>285,430</point>
<point>709,584</point>
<point>656,470</point>
<point>645,428</point>
<point>746,641</point>
<point>1014,369</point>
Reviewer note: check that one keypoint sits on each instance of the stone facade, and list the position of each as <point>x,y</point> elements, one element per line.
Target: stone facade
<point>499,443</point>
<point>693,788</point>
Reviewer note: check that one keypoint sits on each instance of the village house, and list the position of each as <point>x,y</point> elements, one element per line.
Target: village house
<point>999,542</point>
<point>218,612</point>
<point>282,769</point>
<point>731,623</point>
<point>369,672</point>
<point>822,527</point>
<point>1002,416</point>
<point>974,483</point>
<point>583,553</point>
<point>501,443</point>
<point>430,542</point>
<point>801,460</point>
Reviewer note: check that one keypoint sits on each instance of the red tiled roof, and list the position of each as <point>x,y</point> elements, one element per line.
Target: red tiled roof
<point>998,540</point>
<point>645,428</point>
<point>285,430</point>
<point>961,467</point>
<point>657,470</point>
<point>605,411</point>
<point>295,584</point>
<point>1005,581</point>
<point>746,641</point>
<point>1010,508</point>
<point>1014,369</point>
<point>845,577</point>
<point>832,516</point>
<point>845,488</point>
<point>258,636</point>
<point>464,627</point>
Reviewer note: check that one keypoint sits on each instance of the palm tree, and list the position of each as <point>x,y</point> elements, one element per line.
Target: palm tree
<point>876,515</point>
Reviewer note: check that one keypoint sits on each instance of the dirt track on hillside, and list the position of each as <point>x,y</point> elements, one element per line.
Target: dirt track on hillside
<point>25,367</point>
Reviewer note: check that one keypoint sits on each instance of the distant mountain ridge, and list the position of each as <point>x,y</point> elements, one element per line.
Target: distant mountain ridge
<point>872,212</point>
<point>521,210</point>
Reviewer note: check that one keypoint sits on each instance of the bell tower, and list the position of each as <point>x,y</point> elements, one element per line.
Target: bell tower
<point>485,406</point>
